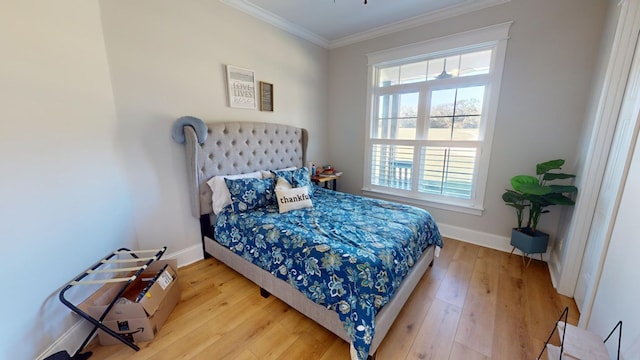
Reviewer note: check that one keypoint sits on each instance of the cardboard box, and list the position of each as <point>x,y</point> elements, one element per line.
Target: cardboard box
<point>142,314</point>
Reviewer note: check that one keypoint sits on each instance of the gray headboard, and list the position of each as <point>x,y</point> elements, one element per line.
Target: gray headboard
<point>236,148</point>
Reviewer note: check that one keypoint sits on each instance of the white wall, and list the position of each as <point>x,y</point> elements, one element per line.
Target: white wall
<point>82,176</point>
<point>550,60</point>
<point>167,59</point>
<point>65,201</point>
<point>617,297</point>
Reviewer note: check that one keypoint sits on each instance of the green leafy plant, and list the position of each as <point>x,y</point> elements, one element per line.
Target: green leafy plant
<point>535,193</point>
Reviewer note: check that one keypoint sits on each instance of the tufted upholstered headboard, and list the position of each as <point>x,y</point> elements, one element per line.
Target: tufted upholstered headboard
<point>236,148</point>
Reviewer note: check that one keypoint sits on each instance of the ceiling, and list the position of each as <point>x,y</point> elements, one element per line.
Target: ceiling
<point>335,23</point>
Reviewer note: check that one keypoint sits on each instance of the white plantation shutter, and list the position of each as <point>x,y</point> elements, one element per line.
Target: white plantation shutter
<point>432,115</point>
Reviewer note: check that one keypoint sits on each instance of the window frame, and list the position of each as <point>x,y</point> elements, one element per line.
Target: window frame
<point>492,37</point>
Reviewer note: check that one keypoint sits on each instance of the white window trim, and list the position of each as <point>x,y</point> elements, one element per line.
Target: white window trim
<point>450,204</point>
<point>495,36</point>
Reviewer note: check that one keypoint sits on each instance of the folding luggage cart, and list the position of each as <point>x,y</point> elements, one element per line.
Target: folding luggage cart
<point>110,264</point>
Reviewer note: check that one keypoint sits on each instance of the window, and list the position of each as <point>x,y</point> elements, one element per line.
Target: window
<point>432,108</point>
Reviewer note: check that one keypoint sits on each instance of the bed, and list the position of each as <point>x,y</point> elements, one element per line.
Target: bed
<point>345,261</point>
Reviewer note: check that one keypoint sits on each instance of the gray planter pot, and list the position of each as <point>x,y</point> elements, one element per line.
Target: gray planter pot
<point>529,244</point>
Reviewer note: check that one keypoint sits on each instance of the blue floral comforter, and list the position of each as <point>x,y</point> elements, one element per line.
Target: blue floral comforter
<point>348,253</point>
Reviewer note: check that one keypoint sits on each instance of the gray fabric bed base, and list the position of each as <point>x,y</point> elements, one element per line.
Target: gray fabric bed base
<point>241,147</point>
<point>326,318</point>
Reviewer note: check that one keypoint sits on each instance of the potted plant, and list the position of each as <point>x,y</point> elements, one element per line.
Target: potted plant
<point>535,193</point>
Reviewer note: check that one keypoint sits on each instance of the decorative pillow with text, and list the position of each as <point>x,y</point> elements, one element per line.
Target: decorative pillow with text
<point>293,199</point>
<point>283,184</point>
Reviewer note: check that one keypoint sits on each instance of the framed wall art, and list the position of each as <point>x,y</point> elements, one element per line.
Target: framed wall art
<point>266,96</point>
<point>241,87</point>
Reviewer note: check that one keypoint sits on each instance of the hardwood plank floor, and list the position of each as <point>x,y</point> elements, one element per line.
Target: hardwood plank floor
<point>474,303</point>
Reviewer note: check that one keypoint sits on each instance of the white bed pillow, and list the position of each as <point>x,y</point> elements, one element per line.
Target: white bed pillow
<point>221,196</point>
<point>292,199</point>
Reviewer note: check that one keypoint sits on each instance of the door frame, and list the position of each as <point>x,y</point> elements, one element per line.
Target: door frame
<point>606,163</point>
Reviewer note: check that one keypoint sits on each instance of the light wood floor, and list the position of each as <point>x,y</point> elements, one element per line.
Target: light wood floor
<point>474,303</point>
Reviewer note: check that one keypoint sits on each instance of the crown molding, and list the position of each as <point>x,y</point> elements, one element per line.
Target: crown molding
<point>277,21</point>
<point>281,23</point>
<point>442,14</point>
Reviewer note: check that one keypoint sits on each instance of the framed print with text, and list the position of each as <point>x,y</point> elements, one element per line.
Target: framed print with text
<point>241,87</point>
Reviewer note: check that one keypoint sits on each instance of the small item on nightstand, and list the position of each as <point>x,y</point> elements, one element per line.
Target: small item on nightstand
<point>325,175</point>
<point>328,170</point>
<point>313,169</point>
<point>322,177</point>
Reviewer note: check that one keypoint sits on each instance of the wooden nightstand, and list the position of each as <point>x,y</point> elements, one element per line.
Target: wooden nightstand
<point>326,180</point>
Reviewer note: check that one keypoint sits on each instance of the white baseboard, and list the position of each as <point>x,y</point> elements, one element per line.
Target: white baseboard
<point>487,240</point>
<point>73,338</point>
<point>187,256</point>
<point>554,271</point>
